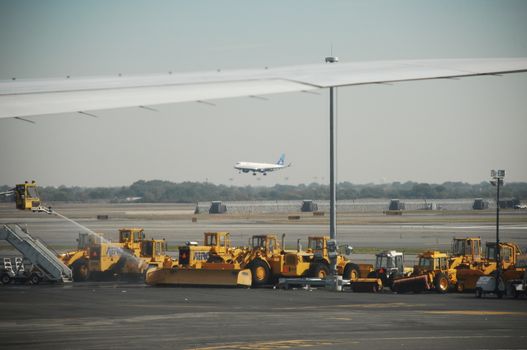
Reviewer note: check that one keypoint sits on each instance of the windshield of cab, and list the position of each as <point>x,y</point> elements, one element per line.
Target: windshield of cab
<point>384,261</point>
<point>458,247</point>
<point>210,240</point>
<point>316,244</point>
<point>258,242</point>
<point>32,192</point>
<point>426,262</point>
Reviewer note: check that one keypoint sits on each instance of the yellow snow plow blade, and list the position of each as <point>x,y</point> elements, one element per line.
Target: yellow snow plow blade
<point>367,285</point>
<point>199,277</point>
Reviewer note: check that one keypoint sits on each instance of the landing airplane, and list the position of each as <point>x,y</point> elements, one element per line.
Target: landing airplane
<point>263,168</point>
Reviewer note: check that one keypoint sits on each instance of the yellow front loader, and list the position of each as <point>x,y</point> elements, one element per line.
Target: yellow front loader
<point>314,262</point>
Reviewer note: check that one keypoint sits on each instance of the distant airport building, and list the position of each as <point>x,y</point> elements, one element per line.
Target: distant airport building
<point>217,207</point>
<point>308,206</point>
<point>509,203</point>
<point>480,204</point>
<point>396,204</point>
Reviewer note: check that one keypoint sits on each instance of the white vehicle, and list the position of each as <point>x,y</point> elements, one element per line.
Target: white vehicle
<point>520,206</point>
<point>263,168</point>
<point>487,285</point>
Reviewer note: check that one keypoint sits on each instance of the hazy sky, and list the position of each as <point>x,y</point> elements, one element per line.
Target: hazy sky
<point>430,131</point>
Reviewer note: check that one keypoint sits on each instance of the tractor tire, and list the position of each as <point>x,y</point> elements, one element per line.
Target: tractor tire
<point>261,273</point>
<point>319,270</point>
<point>460,287</point>
<point>351,272</point>
<point>81,271</point>
<point>5,279</point>
<point>34,279</point>
<point>441,283</point>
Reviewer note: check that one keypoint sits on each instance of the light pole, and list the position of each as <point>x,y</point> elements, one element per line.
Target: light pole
<point>332,244</point>
<point>497,180</point>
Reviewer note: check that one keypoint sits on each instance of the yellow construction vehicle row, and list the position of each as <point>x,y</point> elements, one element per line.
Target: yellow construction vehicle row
<point>265,260</point>
<point>217,262</point>
<point>460,270</point>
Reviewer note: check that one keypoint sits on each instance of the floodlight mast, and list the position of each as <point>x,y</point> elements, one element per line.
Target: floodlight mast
<point>497,180</point>
<point>332,170</point>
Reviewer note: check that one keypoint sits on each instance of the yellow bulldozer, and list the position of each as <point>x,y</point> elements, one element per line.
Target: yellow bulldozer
<point>215,263</point>
<point>97,258</point>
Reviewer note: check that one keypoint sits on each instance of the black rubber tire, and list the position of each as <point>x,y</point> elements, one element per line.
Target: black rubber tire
<point>261,272</point>
<point>441,283</point>
<point>318,270</point>
<point>34,279</point>
<point>351,272</point>
<point>80,270</point>
<point>5,279</point>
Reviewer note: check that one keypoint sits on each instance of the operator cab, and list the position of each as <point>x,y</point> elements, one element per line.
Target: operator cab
<point>153,248</point>
<point>131,235</point>
<point>267,243</point>
<point>26,196</point>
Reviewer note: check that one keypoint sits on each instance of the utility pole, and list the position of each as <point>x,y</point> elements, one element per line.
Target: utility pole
<point>332,244</point>
<point>497,180</point>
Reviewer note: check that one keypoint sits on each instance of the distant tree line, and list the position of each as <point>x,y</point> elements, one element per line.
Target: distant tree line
<point>157,191</point>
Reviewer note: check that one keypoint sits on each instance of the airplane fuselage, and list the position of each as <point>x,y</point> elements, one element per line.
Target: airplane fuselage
<point>262,168</point>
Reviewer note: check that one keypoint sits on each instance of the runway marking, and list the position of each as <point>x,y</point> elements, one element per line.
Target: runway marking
<point>476,312</point>
<point>351,306</point>
<point>430,337</point>
<point>287,344</point>
<point>279,344</point>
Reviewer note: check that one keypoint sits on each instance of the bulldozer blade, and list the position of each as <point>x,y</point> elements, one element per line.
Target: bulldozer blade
<point>366,285</point>
<point>415,284</point>
<point>199,277</point>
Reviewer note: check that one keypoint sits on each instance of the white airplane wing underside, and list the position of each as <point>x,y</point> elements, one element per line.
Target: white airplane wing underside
<point>23,98</point>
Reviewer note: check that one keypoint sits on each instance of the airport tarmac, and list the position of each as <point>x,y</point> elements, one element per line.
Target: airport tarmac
<point>134,316</point>
<point>123,315</point>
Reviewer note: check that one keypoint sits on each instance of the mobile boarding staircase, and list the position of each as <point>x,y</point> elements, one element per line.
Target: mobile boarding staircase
<point>37,253</point>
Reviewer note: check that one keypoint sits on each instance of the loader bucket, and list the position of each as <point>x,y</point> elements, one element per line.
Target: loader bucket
<point>199,277</point>
<point>415,284</point>
<point>467,278</point>
<point>366,285</point>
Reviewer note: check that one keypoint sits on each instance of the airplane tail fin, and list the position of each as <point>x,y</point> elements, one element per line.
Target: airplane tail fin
<point>281,160</point>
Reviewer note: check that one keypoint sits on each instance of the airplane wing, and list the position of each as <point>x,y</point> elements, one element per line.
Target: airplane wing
<point>23,98</point>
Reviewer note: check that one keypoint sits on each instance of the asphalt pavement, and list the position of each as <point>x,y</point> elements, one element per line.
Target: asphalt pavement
<point>134,316</point>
